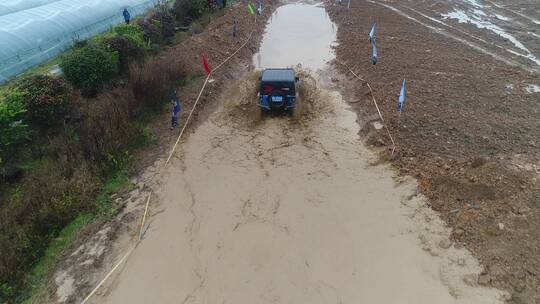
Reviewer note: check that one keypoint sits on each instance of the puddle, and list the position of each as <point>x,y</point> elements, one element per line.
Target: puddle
<point>534,34</point>
<point>501,17</point>
<point>533,88</point>
<point>479,18</point>
<point>297,34</point>
<point>474,3</point>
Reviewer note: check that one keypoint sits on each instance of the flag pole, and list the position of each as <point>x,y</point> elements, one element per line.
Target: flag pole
<point>401,101</point>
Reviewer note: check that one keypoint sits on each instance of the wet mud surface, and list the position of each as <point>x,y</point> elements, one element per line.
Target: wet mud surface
<point>292,208</point>
<point>289,209</point>
<point>471,123</point>
<point>103,244</point>
<point>297,34</point>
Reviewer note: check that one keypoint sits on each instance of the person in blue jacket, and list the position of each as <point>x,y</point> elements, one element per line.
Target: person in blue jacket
<point>127,16</point>
<point>234,29</point>
<point>175,110</point>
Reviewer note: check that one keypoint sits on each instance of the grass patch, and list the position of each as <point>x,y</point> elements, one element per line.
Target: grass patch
<point>37,279</point>
<point>34,164</point>
<point>117,181</point>
<point>41,69</point>
<point>179,37</point>
<point>44,68</point>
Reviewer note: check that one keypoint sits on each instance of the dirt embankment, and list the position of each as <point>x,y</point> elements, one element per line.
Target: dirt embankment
<point>95,254</point>
<point>469,132</point>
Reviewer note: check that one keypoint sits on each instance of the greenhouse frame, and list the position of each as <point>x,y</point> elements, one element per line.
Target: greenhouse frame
<point>35,31</point>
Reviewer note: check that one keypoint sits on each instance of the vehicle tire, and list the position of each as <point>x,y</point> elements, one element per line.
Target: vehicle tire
<point>274,106</point>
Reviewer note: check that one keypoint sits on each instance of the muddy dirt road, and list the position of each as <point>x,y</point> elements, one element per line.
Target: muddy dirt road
<point>289,209</point>
<point>470,130</point>
<point>288,212</point>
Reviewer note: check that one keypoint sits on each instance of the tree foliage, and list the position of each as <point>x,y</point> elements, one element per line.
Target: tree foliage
<point>47,99</point>
<point>13,130</point>
<point>90,67</point>
<point>188,10</point>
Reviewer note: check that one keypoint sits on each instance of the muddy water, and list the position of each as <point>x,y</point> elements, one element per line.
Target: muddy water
<point>288,209</point>
<point>297,34</point>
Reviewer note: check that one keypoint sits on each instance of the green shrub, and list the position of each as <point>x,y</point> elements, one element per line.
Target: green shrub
<point>168,25</point>
<point>151,30</point>
<point>126,49</point>
<point>165,20</point>
<point>132,32</point>
<point>47,99</point>
<point>186,11</point>
<point>77,44</point>
<point>158,26</point>
<point>196,28</point>
<point>13,130</point>
<point>89,68</point>
<point>6,292</point>
<point>32,214</point>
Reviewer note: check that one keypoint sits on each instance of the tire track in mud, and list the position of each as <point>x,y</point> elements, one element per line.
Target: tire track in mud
<point>446,33</point>
<point>273,210</point>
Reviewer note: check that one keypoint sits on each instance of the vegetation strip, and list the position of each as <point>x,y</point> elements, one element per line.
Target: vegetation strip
<point>77,134</point>
<point>128,253</point>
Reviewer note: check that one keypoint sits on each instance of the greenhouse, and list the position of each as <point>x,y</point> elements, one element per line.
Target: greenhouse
<point>35,31</point>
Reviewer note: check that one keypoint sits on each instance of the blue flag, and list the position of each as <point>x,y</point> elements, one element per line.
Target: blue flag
<point>372,32</point>
<point>374,52</point>
<point>402,96</point>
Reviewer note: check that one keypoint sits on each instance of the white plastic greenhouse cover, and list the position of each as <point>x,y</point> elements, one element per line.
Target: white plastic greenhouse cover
<point>13,6</point>
<point>34,31</point>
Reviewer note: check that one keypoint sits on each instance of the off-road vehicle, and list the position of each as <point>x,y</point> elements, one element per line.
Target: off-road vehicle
<point>278,89</point>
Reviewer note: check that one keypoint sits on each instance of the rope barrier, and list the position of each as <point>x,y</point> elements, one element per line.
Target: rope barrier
<point>187,120</point>
<point>202,89</point>
<point>110,273</point>
<point>376,106</point>
<point>130,251</point>
<point>144,215</point>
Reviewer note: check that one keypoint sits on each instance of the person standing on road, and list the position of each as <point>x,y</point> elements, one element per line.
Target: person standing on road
<point>127,16</point>
<point>175,110</point>
<point>259,7</point>
<point>234,29</point>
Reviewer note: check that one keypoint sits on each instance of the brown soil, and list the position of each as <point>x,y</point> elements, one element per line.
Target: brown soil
<point>472,142</point>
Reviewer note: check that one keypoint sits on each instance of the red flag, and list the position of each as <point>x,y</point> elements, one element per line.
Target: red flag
<point>206,66</point>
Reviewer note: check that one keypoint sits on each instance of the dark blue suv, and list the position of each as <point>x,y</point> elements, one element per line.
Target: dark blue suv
<point>278,89</point>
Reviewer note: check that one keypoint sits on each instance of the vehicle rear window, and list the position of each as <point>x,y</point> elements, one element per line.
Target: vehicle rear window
<point>286,87</point>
